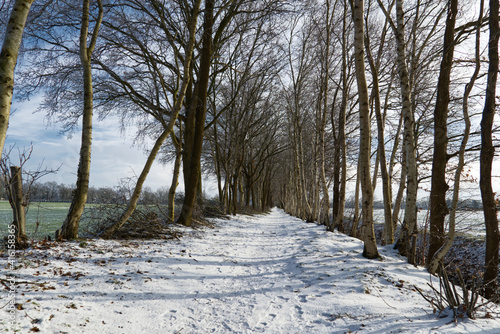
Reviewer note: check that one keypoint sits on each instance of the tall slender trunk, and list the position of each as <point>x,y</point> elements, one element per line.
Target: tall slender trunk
<point>339,219</point>
<point>70,226</point>
<point>175,175</point>
<point>486,159</point>
<point>370,247</point>
<point>409,228</point>
<point>402,183</point>
<point>410,216</point>
<point>398,200</point>
<point>194,172</point>
<point>439,187</point>
<point>440,254</point>
<point>8,61</point>
<point>217,164</point>
<point>388,227</point>
<point>355,216</point>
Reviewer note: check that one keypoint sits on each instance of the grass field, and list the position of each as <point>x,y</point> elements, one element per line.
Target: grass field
<point>48,215</point>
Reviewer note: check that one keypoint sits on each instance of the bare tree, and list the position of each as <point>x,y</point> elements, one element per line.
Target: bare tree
<point>381,156</point>
<point>441,252</point>
<point>407,242</point>
<point>168,128</point>
<point>69,229</point>
<point>439,208</point>
<point>487,154</point>
<point>370,246</point>
<point>199,109</point>
<point>19,184</point>
<point>340,147</point>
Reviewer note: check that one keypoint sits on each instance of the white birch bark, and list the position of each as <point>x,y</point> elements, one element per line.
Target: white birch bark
<point>368,236</point>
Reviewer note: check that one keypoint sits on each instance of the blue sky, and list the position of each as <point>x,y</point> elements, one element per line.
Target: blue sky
<point>113,157</point>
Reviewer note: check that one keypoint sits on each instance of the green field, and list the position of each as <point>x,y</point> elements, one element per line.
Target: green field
<point>49,216</point>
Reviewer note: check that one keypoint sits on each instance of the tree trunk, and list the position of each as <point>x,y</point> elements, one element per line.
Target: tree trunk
<point>388,227</point>
<point>402,182</point>
<point>409,228</point>
<point>487,156</point>
<point>325,203</point>
<point>355,216</point>
<point>175,176</point>
<point>201,102</point>
<point>399,195</point>
<point>8,61</point>
<point>70,226</point>
<point>440,254</point>
<point>370,247</point>
<point>339,219</point>
<point>410,217</point>
<point>17,204</point>
<point>439,187</point>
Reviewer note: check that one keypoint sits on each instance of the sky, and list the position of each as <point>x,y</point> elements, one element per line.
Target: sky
<point>114,156</point>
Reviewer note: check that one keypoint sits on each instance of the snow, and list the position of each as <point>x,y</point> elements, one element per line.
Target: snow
<point>250,274</point>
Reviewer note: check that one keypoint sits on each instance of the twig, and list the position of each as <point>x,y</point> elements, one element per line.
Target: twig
<point>5,304</point>
<point>93,233</point>
<point>28,316</point>
<point>384,299</point>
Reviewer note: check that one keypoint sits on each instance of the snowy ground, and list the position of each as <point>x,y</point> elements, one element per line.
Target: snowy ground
<point>263,274</point>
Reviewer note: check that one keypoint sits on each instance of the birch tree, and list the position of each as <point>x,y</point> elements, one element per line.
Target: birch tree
<point>70,226</point>
<point>407,242</point>
<point>381,156</point>
<point>368,236</point>
<point>8,61</point>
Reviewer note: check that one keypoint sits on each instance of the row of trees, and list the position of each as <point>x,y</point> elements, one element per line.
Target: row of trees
<point>59,192</point>
<point>279,100</point>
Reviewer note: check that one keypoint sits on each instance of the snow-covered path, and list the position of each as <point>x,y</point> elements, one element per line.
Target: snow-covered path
<point>263,274</point>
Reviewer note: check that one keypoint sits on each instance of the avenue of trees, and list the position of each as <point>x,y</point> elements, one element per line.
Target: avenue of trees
<point>287,103</point>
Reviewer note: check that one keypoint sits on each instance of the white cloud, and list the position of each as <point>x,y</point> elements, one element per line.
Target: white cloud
<point>113,155</point>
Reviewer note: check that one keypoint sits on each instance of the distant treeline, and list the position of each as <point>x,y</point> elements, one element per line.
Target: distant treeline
<point>468,204</point>
<point>59,192</point>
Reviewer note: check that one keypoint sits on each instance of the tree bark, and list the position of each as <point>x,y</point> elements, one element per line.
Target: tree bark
<point>325,202</point>
<point>388,227</point>
<point>339,218</point>
<point>370,247</point>
<point>440,254</point>
<point>486,158</point>
<point>175,175</point>
<point>8,61</point>
<point>355,215</point>
<point>439,187</point>
<point>201,102</point>
<point>70,226</point>
<point>409,228</point>
<point>17,204</point>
